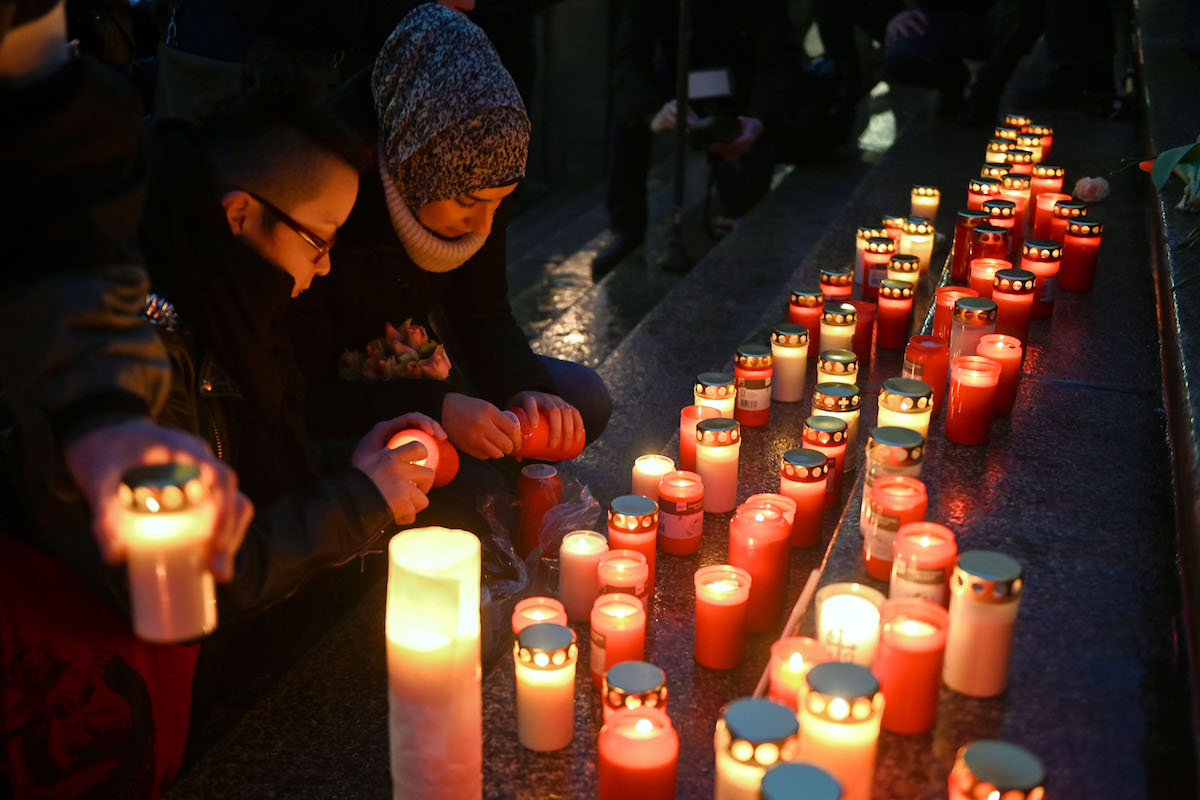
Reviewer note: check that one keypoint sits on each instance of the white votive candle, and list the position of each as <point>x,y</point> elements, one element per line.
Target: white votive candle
<point>848,621</point>
<point>647,472</point>
<point>545,656</point>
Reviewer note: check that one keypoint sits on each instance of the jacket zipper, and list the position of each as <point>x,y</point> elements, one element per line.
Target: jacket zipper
<point>216,432</point>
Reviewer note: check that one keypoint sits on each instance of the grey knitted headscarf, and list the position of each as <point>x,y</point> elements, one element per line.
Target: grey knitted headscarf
<point>450,118</point>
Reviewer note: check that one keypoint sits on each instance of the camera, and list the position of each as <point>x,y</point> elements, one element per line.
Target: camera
<point>716,129</point>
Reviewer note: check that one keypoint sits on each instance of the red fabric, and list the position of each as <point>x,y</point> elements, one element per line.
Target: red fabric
<point>87,710</point>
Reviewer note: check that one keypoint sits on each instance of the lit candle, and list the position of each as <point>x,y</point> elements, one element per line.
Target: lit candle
<point>965,222</point>
<point>715,389</point>
<point>681,512</point>
<point>943,310</point>
<point>1047,134</point>
<point>997,151</point>
<point>893,226</point>
<point>904,267</point>
<point>876,256</point>
<point>759,543</point>
<point>974,318</point>
<point>1042,257</point>
<point>1006,352</point>
<point>791,659</point>
<point>840,717</point>
<point>848,621</point>
<point>752,367</point>
<point>924,202</point>
<point>689,416</point>
<point>969,410</point>
<point>432,451</point>
<point>632,685</point>
<point>1081,244</point>
<point>618,632</point>
<point>843,402</point>
<point>1046,178</point>
<point>837,366</point>
<point>864,329</point>
<point>623,572</point>
<point>983,274</point>
<point>435,703</point>
<point>802,477</point>
<point>1060,213</point>
<point>545,654</point>
<point>918,240</point>
<point>1043,204</point>
<point>906,403</point>
<point>895,313</point>
<point>923,557</point>
<point>837,326</point>
<point>1016,188</point>
<point>997,171</point>
<point>980,189</point>
<point>908,662</point>
<point>647,472</point>
<point>533,610</point>
<point>896,500</point>
<point>717,444</point>
<point>991,768</point>
<point>578,582</point>
<point>988,241</point>
<point>539,489</point>
<point>927,359</point>
<point>722,592</point>
<point>781,503</point>
<point>789,350</point>
<point>799,782</point>
<point>804,308</point>
<point>863,235</point>
<point>1019,161</point>
<point>837,283</point>
<point>637,755</point>
<point>166,520</point>
<point>1014,291</point>
<point>633,525</point>
<point>1009,132</point>
<point>752,735</point>
<point>827,435</point>
<point>985,594</point>
<point>889,451</point>
<point>1019,121</point>
<point>1003,214</point>
<point>1033,143</point>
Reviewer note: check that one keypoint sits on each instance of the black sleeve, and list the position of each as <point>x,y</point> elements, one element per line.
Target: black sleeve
<point>778,62</point>
<point>635,94</point>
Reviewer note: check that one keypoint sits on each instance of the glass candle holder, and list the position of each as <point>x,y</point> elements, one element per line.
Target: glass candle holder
<point>943,309</point>
<point>1006,132</point>
<point>790,781</point>
<point>904,267</point>
<point>578,581</point>
<point>994,768</point>
<point>647,473</point>
<point>988,241</point>
<point>864,329</point>
<point>752,368</point>
<point>631,685</point>
<point>1031,142</point>
<point>716,390</point>
<point>837,283</point>
<point>876,256</point>
<point>722,593</point>
<point>845,403</point>
<point>973,382</point>
<point>923,556</point>
<point>1046,178</point>
<point>918,240</point>
<point>166,519</point>
<point>827,435</point>
<point>1019,121</point>
<point>997,150</point>
<point>680,512</point>
<point>533,610</point>
<point>432,459</point>
<point>780,502</point>
<point>618,624</point>
<point>718,442</point>
<point>759,542</point>
<point>1016,188</point>
<point>1062,212</point>
<point>861,238</point>
<point>633,525</point>
<point>689,417</point>
<point>974,318</point>
<point>1014,292</point>
<point>804,308</point>
<point>965,222</point>
<point>1006,351</point>
<point>924,201</point>
<point>1081,245</point>
<point>908,662</point>
<point>791,659</point>
<point>848,621</point>
<point>752,735</point>
<point>996,171</point>
<point>893,226</point>
<point>896,500</point>
<point>1002,213</point>
<point>889,451</point>
<point>980,189</point>
<point>985,594</point>
<point>927,359</point>
<point>803,475</point>
<point>983,274</point>
<point>1019,161</point>
<point>906,403</point>
<point>837,366</point>
<point>840,716</point>
<point>623,572</point>
<point>544,656</point>
<point>789,352</point>
<point>895,314</point>
<point>1043,258</point>
<point>1047,134</point>
<point>637,756</point>
<point>1043,204</point>
<point>837,326</point>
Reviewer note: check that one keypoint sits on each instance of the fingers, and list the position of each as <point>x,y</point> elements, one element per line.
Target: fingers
<point>410,452</point>
<point>420,477</point>
<point>106,528</point>
<point>223,552</point>
<point>421,422</point>
<point>555,427</point>
<point>530,403</point>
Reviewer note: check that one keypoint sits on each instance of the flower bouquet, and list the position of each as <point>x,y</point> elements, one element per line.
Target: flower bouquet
<point>404,352</point>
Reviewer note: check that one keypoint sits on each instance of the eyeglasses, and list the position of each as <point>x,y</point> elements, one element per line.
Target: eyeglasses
<point>322,246</point>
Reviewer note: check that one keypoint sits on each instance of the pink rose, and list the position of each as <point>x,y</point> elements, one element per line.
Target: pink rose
<point>1091,190</point>
<point>437,366</point>
<point>416,336</point>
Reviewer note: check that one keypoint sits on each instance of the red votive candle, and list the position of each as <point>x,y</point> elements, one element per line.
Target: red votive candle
<point>637,754</point>
<point>1081,245</point>
<point>1033,143</point>
<point>1015,187</point>
<point>624,572</point>
<point>964,223</point>
<point>1042,206</point>
<point>1006,132</point>
<point>802,476</point>
<point>837,283</point>
<point>752,367</point>
<point>618,632</point>
<point>1047,134</point>
<point>908,662</point>
<point>896,500</point>
<point>1046,178</point>
<point>983,274</point>
<point>1019,161</point>
<point>781,503</point>
<point>876,256</point>
<point>533,610</point>
<point>1018,121</point>
<point>722,592</point>
<point>841,401</point>
<point>973,382</point>
<point>1003,214</point>
<point>996,171</point>
<point>863,235</point>
<point>997,150</point>
<point>791,659</point>
<point>759,543</point>
<point>689,416</point>
<point>904,267</point>
<point>988,241</point>
<point>895,314</point>
<point>893,227</point>
<point>804,308</point>
<point>1006,351</point>
<point>1014,291</point>
<point>927,359</point>
<point>633,525</point>
<point>923,556</point>
<point>1060,213</point>
<point>540,489</point>
<point>680,512</point>
<point>1042,257</point>
<point>973,317</point>
<point>827,435</point>
<point>980,189</point>
<point>943,308</point>
<point>864,328</point>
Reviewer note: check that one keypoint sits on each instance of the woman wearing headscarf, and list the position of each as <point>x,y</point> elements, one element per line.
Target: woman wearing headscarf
<point>426,244</point>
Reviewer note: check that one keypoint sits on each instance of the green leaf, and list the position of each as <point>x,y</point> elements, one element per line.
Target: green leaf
<point>1166,162</point>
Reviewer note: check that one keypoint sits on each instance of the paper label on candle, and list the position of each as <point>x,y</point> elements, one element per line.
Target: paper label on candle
<point>876,275</point>
<point>754,394</point>
<point>638,591</point>
<point>913,369</point>
<point>1049,288</point>
<point>880,532</point>
<point>599,645</point>
<point>913,581</point>
<point>681,520</point>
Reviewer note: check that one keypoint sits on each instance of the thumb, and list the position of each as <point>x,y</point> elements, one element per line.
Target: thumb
<point>411,452</point>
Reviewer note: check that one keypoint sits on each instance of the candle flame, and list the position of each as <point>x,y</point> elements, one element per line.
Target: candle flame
<point>758,516</point>
<point>796,662</point>
<point>994,796</point>
<point>925,540</point>
<point>619,611</point>
<point>541,659</point>
<point>839,708</point>
<point>537,613</point>
<point>911,627</point>
<point>644,726</point>
<point>723,586</point>
<point>151,504</point>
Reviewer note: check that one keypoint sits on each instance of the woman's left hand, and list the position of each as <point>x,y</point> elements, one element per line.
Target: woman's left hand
<point>562,417</point>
